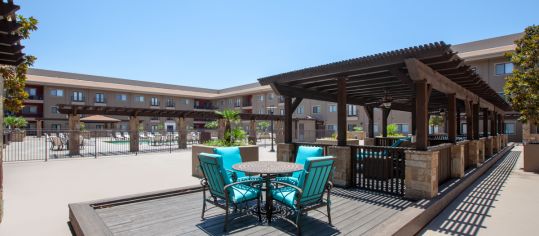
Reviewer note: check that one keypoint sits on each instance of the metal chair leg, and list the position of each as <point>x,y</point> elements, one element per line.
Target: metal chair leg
<point>258,209</point>
<point>329,215</point>
<point>226,217</point>
<point>203,202</point>
<point>298,226</point>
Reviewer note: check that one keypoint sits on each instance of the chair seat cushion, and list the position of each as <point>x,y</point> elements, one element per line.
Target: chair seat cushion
<point>288,179</point>
<point>242,193</point>
<point>247,178</point>
<point>285,195</point>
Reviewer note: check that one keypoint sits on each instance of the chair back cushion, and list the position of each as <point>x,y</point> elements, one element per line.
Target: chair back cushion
<point>315,177</point>
<point>303,153</point>
<point>229,157</point>
<point>212,172</point>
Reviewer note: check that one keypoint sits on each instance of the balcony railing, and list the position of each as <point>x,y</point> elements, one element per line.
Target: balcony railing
<point>205,106</point>
<point>247,103</point>
<point>35,97</point>
<point>78,98</point>
<point>155,104</point>
<point>170,104</point>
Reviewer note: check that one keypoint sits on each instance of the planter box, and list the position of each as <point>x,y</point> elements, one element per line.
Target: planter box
<point>531,157</point>
<point>18,136</point>
<point>248,153</point>
<point>355,135</point>
<point>334,141</point>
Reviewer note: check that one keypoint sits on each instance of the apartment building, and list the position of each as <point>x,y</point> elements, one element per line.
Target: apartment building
<point>48,88</point>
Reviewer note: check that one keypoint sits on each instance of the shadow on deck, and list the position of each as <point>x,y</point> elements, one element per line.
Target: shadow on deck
<point>354,211</point>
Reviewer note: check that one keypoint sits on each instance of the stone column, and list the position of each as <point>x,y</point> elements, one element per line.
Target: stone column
<point>133,134</point>
<point>473,152</point>
<point>74,134</point>
<point>457,160</point>
<point>488,146</point>
<point>252,132</point>
<point>342,176</point>
<point>278,129</point>
<point>421,174</point>
<point>481,146</point>
<point>285,152</point>
<point>182,133</point>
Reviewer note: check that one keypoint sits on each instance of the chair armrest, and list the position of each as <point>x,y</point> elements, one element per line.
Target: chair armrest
<point>233,173</point>
<point>289,185</point>
<point>241,182</point>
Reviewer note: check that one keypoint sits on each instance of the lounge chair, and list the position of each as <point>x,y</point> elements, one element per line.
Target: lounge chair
<point>142,135</point>
<point>303,153</point>
<point>118,136</point>
<point>223,188</point>
<point>308,194</point>
<point>56,142</point>
<point>125,135</point>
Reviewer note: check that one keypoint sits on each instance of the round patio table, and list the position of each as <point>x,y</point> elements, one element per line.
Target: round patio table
<point>267,169</point>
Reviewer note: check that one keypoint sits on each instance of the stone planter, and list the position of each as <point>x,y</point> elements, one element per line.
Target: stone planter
<point>248,153</point>
<point>531,157</point>
<point>360,135</point>
<point>18,135</point>
<point>334,141</point>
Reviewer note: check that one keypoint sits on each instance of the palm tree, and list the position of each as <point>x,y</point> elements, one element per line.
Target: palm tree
<point>229,116</point>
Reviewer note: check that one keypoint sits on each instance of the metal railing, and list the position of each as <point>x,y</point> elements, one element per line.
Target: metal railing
<point>55,144</point>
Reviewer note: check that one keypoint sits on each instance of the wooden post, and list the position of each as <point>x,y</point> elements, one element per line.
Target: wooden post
<point>414,128</point>
<point>493,124</point>
<point>369,110</point>
<point>485,122</point>
<point>341,112</point>
<point>133,134</point>
<point>421,110</point>
<point>288,119</point>
<point>476,121</point>
<point>469,120</point>
<point>500,124</point>
<point>74,134</point>
<point>459,130</point>
<point>252,132</point>
<point>385,115</point>
<point>182,133</point>
<point>452,118</point>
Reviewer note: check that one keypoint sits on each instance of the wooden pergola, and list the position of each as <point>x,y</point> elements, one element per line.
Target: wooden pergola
<point>416,79</point>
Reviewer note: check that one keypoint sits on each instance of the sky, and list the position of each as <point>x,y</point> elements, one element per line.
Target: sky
<point>220,44</point>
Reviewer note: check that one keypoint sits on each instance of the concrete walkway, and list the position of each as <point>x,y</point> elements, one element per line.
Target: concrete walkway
<point>36,194</point>
<point>504,201</point>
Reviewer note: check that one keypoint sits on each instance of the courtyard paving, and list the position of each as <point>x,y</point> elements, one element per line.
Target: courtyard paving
<point>37,193</point>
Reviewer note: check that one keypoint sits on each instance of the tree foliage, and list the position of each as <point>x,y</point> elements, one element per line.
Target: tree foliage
<point>14,122</point>
<point>211,125</point>
<point>15,76</point>
<point>522,87</point>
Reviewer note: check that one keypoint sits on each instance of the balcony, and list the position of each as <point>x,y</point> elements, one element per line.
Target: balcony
<point>205,107</point>
<point>34,99</point>
<point>155,104</point>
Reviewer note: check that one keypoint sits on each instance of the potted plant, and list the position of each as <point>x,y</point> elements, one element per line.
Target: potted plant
<point>234,136</point>
<point>521,89</point>
<point>15,125</point>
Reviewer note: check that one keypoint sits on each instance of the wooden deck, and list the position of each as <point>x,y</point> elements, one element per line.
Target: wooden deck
<point>354,211</point>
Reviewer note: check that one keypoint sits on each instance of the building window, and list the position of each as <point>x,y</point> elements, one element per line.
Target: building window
<point>77,96</point>
<point>403,128</point>
<point>186,101</point>
<point>260,98</point>
<point>261,111</point>
<point>123,127</point>
<point>54,110</point>
<point>57,92</point>
<point>463,128</point>
<point>352,110</point>
<point>154,101</point>
<point>99,126</point>
<point>56,126</point>
<point>238,102</point>
<point>281,112</point>
<point>504,68</point>
<point>230,101</point>
<point>509,128</point>
<point>222,102</point>
<point>170,102</point>
<point>300,110</point>
<point>32,93</point>
<point>99,98</point>
<point>331,127</point>
<point>332,108</point>
<point>121,97</point>
<point>351,127</point>
<point>29,109</point>
<point>375,128</point>
<point>139,98</point>
<point>271,96</point>
<point>316,109</point>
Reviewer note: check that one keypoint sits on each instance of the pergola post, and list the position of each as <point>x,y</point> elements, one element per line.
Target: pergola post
<point>469,120</point>
<point>369,110</point>
<point>39,128</point>
<point>485,122</point>
<point>182,133</point>
<point>475,108</point>
<point>288,119</point>
<point>421,110</point>
<point>493,124</point>
<point>452,118</point>
<point>459,130</point>
<point>252,132</point>
<point>74,135</point>
<point>341,111</point>
<point>133,134</point>
<point>414,126</point>
<point>385,115</point>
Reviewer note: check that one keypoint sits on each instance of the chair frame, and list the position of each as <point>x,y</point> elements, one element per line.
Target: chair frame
<point>213,199</point>
<point>300,208</point>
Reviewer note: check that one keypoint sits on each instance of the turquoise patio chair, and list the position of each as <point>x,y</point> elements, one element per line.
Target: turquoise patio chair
<point>309,193</point>
<point>235,193</point>
<point>303,153</point>
<point>229,157</point>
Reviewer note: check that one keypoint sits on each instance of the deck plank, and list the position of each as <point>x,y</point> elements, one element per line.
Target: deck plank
<point>354,211</point>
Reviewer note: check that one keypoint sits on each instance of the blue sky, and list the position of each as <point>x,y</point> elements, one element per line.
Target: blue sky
<point>218,44</point>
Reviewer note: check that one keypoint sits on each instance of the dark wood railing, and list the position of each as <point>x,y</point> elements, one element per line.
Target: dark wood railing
<point>379,168</point>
